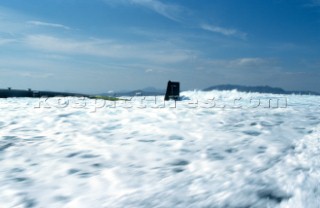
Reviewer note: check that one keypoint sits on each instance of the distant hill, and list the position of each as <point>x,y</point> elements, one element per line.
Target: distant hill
<point>259,89</point>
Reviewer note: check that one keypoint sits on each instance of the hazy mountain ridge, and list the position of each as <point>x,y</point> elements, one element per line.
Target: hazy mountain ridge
<point>259,89</point>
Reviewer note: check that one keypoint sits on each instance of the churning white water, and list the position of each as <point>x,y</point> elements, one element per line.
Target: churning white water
<point>211,149</point>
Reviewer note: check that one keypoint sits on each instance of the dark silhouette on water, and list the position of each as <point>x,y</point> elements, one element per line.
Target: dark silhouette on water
<point>173,91</point>
<point>7,93</point>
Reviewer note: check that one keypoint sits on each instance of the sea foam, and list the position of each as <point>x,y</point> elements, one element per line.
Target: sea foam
<point>211,149</point>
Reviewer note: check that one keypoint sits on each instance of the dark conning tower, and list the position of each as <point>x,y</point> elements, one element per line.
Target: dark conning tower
<point>173,91</point>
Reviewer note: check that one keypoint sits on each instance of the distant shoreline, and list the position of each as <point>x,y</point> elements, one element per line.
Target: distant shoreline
<point>7,93</point>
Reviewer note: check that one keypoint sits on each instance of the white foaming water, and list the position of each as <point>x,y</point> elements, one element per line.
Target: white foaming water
<point>212,149</point>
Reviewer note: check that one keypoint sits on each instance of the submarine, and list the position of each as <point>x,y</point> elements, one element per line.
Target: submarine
<point>9,93</point>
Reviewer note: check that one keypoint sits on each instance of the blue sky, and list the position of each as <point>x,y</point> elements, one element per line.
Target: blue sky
<point>101,45</point>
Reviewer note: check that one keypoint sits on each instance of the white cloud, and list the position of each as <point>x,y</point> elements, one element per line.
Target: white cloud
<point>37,75</point>
<point>11,22</point>
<point>149,70</point>
<point>180,14</point>
<point>153,52</point>
<point>51,43</point>
<point>316,2</point>
<point>246,62</point>
<point>312,3</point>
<point>46,24</point>
<point>28,74</point>
<point>249,62</point>
<point>4,41</point>
<point>169,11</point>
<point>224,31</point>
